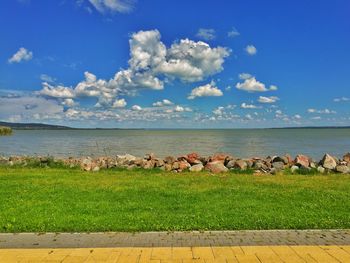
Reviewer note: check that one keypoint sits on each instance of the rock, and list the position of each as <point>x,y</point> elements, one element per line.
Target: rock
<point>193,158</point>
<point>149,156</point>
<point>288,159</point>
<point>260,165</point>
<point>278,159</point>
<point>346,157</point>
<point>183,165</point>
<point>169,159</point>
<point>302,160</point>
<point>96,169</point>
<point>216,167</point>
<point>168,167</point>
<point>86,164</point>
<point>221,157</point>
<point>321,170</point>
<point>328,162</point>
<point>148,164</point>
<point>278,165</point>
<point>294,169</point>
<point>231,164</point>
<point>249,163</point>
<point>125,159</point>
<point>158,163</point>
<point>313,165</point>
<point>196,168</point>
<point>175,166</point>
<point>342,169</point>
<point>241,164</point>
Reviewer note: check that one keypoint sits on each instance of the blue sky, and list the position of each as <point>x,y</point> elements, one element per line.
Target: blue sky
<point>173,64</point>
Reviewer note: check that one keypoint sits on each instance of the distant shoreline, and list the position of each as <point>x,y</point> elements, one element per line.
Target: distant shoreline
<point>43,126</point>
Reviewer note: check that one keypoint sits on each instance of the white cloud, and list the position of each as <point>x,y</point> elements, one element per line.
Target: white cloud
<point>316,118</point>
<point>21,55</point>
<point>136,108</point>
<point>150,64</point>
<point>162,103</point>
<point>122,6</point>
<point>248,117</point>
<point>206,33</point>
<point>342,99</point>
<point>245,76</point>
<point>69,103</point>
<point>56,91</point>
<point>249,106</point>
<point>251,50</point>
<point>208,90</point>
<point>297,116</point>
<point>325,111</point>
<point>121,103</point>
<point>233,33</point>
<point>251,85</point>
<point>271,99</point>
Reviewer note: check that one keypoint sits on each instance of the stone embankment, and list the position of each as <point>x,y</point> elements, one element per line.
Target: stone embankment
<point>193,162</point>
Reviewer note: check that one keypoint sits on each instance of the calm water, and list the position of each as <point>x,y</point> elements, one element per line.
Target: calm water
<point>242,143</point>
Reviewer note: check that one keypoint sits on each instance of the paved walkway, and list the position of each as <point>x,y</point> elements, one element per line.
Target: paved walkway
<point>260,254</point>
<point>213,246</point>
<point>176,239</point>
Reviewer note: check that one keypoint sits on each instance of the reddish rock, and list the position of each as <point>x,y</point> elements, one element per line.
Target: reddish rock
<point>302,160</point>
<point>183,165</point>
<point>216,167</point>
<point>193,158</point>
<point>220,157</point>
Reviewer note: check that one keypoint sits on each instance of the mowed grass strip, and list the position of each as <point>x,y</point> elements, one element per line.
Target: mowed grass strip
<point>67,200</point>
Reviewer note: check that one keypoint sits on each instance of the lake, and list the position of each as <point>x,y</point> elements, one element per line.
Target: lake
<point>238,142</point>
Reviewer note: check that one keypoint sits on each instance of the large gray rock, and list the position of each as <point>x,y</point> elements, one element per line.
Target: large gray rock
<point>231,164</point>
<point>328,162</point>
<point>342,169</point>
<point>86,164</point>
<point>216,167</point>
<point>196,168</point>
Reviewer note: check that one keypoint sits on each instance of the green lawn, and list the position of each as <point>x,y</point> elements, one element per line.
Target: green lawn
<point>48,199</point>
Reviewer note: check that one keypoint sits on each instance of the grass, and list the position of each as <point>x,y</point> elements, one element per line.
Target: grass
<point>5,130</point>
<point>61,199</point>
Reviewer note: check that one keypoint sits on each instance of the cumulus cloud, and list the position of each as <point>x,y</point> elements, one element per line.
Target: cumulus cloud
<point>21,55</point>
<point>325,111</point>
<point>249,106</point>
<point>56,91</point>
<point>271,99</point>
<point>150,63</point>
<point>233,33</point>
<point>251,50</point>
<point>121,103</point>
<point>250,84</point>
<point>136,108</point>
<point>208,90</point>
<point>206,33</point>
<point>69,103</point>
<point>162,103</point>
<point>122,6</point>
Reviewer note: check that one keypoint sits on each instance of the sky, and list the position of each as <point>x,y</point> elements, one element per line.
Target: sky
<point>175,64</point>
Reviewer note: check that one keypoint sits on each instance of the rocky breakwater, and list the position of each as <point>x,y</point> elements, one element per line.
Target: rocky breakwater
<point>193,162</point>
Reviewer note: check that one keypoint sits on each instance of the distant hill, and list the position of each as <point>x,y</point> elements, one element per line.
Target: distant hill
<point>33,126</point>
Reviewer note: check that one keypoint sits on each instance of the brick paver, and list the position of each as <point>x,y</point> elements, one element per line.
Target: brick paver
<point>260,254</point>
<point>177,239</point>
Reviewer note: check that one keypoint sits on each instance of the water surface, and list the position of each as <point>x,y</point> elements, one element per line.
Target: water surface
<point>238,142</point>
